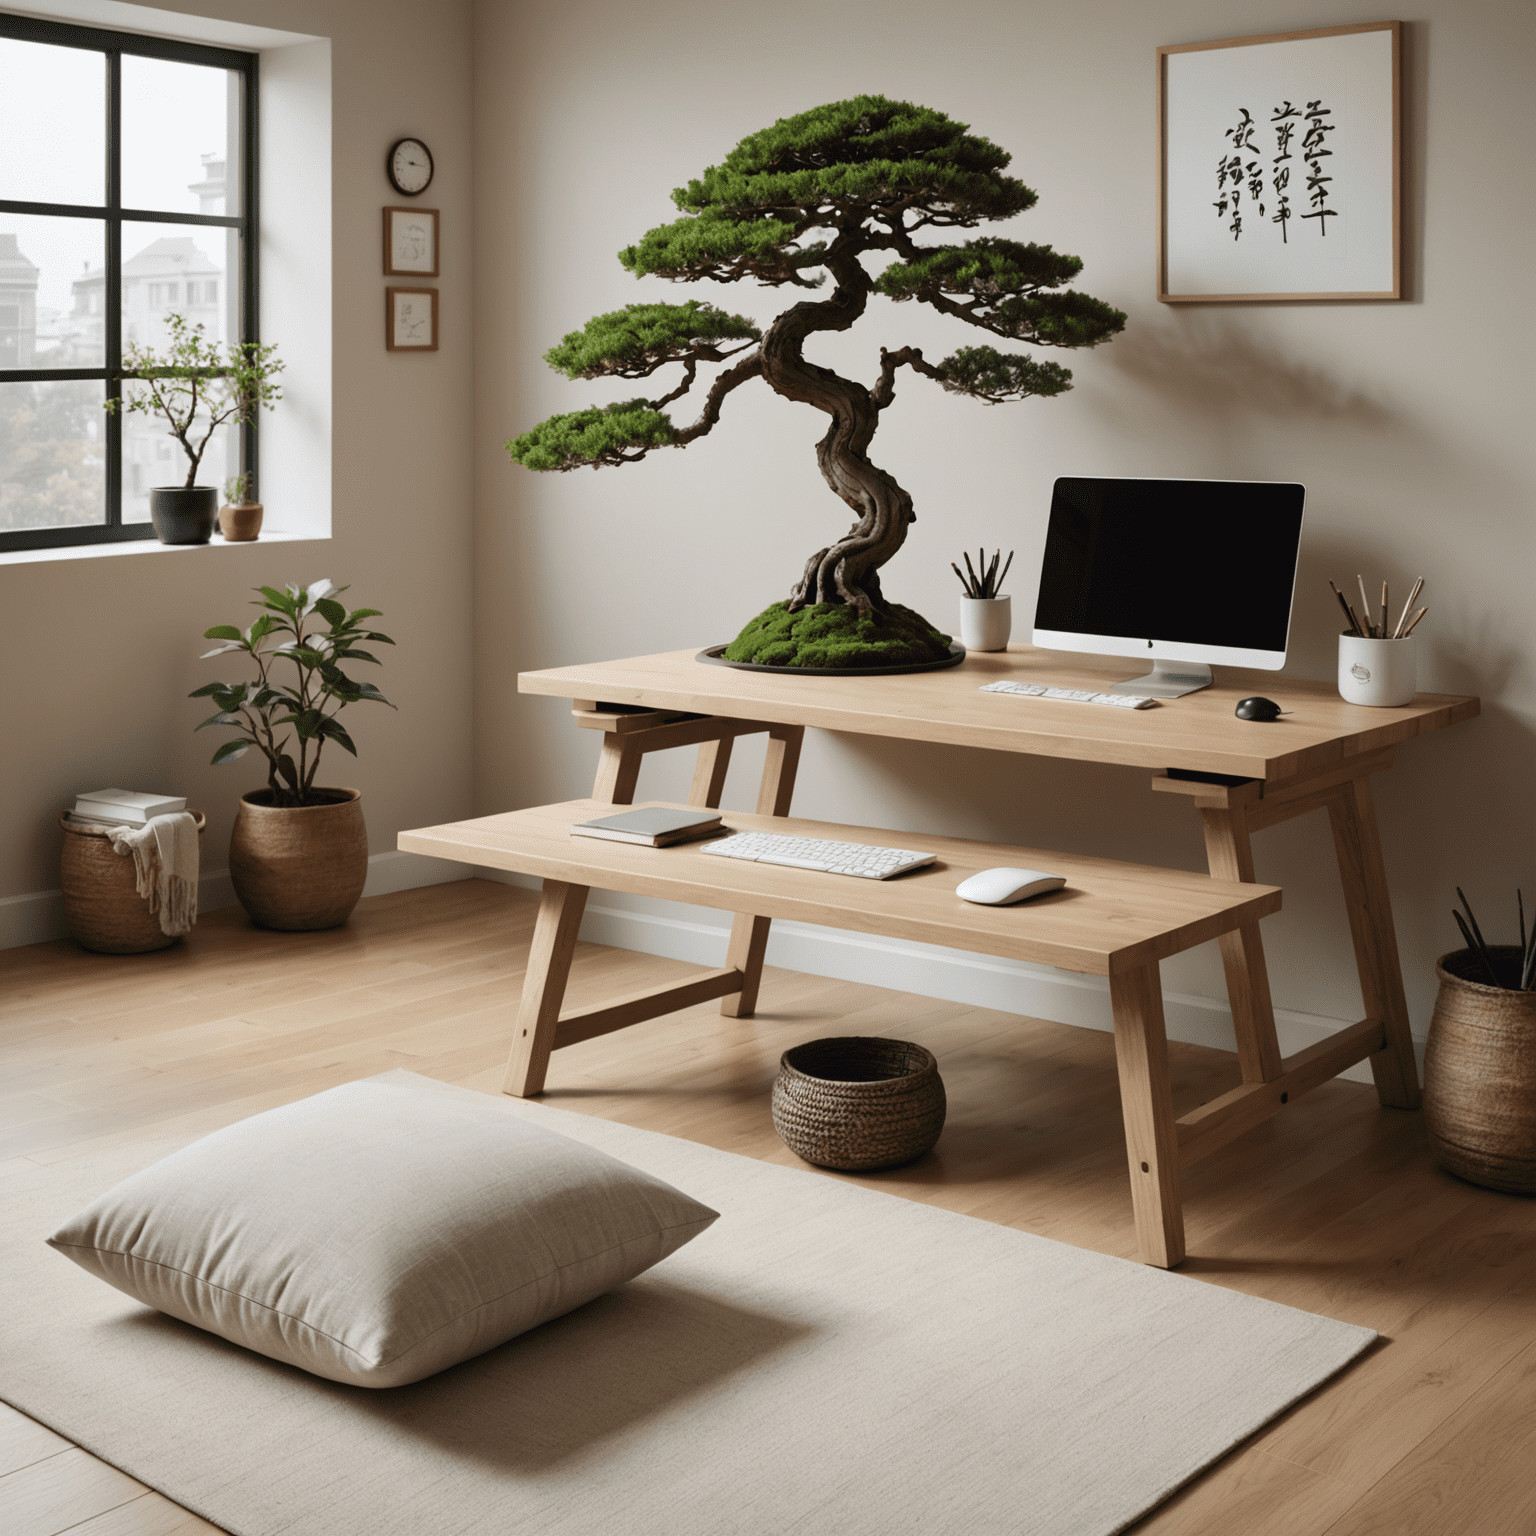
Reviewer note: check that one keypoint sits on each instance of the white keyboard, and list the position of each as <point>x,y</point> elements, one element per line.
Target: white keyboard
<point>819,853</point>
<point>1072,695</point>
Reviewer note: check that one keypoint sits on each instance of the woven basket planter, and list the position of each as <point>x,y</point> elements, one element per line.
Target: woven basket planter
<point>858,1102</point>
<point>1480,1074</point>
<point>299,868</point>
<point>102,906</point>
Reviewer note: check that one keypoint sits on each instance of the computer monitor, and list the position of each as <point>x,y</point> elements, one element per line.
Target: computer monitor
<point>1180,572</point>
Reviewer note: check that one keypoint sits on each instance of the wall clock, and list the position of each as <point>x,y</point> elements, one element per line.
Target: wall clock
<point>409,167</point>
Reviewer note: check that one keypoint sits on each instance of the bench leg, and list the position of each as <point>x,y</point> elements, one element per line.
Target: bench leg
<point>1229,856</point>
<point>1352,815</point>
<point>549,967</point>
<point>709,772</point>
<point>1151,1138</point>
<point>749,934</point>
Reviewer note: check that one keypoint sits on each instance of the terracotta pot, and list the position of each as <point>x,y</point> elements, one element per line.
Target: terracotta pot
<point>102,906</point>
<point>303,867</point>
<point>240,524</point>
<point>1480,1073</point>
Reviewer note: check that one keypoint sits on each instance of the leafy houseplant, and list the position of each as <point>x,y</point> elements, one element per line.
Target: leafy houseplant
<point>867,175</point>
<point>197,387</point>
<point>298,855</point>
<point>316,633</point>
<point>240,516</point>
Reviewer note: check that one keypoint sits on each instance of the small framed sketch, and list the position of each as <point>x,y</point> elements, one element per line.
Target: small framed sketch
<point>1279,163</point>
<point>410,319</point>
<point>410,242</point>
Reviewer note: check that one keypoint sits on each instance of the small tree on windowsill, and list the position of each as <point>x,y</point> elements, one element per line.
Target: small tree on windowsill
<point>197,386</point>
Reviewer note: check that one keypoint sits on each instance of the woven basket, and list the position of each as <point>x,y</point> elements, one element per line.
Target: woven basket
<point>1480,1074</point>
<point>858,1102</point>
<point>102,906</point>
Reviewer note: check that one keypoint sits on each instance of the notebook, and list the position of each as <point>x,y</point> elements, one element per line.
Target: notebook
<point>654,826</point>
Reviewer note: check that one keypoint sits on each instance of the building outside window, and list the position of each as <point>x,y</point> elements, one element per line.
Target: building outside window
<point>127,195</point>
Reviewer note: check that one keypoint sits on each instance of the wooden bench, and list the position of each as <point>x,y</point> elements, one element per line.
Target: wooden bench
<point>1113,919</point>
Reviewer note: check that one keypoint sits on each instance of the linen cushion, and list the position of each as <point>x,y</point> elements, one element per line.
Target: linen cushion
<point>381,1231</point>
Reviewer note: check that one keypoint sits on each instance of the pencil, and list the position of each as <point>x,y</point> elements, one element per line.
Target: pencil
<point>1419,615</point>
<point>1001,579</point>
<point>965,555</point>
<point>1349,613</point>
<point>1383,610</point>
<point>1365,610</point>
<point>1418,586</point>
<point>961,574</point>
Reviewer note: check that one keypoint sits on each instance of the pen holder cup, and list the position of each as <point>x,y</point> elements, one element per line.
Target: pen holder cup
<point>985,623</point>
<point>1383,673</point>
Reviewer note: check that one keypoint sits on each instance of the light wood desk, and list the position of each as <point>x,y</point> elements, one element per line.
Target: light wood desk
<point>1320,756</point>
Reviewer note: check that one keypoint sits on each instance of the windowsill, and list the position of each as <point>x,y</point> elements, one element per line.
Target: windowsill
<point>150,547</point>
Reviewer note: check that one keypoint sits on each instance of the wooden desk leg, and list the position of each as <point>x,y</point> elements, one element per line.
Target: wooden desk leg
<point>1352,814</point>
<point>749,934</point>
<point>618,769</point>
<point>549,967</point>
<point>709,772</point>
<point>1229,856</point>
<point>1146,1101</point>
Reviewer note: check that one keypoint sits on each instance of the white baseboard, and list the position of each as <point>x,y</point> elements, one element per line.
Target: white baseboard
<point>931,971</point>
<point>38,917</point>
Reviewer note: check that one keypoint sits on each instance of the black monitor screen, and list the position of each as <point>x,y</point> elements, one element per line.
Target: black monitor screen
<point>1204,562</point>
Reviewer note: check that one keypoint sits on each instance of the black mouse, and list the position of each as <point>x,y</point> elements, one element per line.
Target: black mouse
<point>1257,708</point>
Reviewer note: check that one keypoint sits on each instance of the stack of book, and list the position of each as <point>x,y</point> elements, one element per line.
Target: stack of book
<point>653,826</point>
<point>124,807</point>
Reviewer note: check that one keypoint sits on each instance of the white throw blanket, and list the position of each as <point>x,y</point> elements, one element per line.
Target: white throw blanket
<point>165,865</point>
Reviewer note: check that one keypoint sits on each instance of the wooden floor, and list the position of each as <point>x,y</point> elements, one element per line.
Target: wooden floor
<point>1334,1206</point>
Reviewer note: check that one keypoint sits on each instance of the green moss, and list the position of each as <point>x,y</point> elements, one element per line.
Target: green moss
<point>837,635</point>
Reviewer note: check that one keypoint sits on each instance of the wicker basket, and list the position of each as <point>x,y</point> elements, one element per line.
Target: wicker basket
<point>1480,1074</point>
<point>102,907</point>
<point>858,1102</point>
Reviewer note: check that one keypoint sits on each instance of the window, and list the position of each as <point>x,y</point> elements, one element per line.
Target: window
<point>127,195</point>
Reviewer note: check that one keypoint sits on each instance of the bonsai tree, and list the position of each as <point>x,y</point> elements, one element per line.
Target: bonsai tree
<point>809,198</point>
<point>193,379</point>
<point>308,627</point>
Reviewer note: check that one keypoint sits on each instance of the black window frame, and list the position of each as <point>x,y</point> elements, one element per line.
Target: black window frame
<point>113,216</point>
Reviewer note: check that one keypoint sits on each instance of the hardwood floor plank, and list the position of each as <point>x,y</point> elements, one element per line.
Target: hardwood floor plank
<point>52,1495</point>
<point>148,1515</point>
<point>24,1441</point>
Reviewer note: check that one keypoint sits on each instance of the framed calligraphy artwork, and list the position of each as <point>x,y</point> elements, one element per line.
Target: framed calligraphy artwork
<point>1279,166</point>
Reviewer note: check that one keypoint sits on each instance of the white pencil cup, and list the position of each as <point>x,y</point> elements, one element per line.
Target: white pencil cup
<point>985,623</point>
<point>1379,672</point>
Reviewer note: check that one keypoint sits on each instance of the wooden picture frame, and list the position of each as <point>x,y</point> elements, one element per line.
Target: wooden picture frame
<point>1267,148</point>
<point>410,242</point>
<point>409,324</point>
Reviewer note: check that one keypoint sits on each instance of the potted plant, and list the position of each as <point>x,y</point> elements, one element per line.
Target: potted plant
<point>298,855</point>
<point>197,388</point>
<point>240,516</point>
<point>1480,1064</point>
<point>867,176</point>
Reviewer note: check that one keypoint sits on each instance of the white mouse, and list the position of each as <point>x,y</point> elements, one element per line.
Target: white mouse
<point>1003,887</point>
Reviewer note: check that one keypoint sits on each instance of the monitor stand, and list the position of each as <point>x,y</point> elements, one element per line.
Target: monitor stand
<point>1168,680</point>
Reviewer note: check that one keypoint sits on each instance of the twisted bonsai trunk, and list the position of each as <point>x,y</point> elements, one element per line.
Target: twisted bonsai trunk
<point>847,571</point>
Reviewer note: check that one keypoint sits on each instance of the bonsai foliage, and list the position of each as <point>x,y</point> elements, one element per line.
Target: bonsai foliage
<point>809,198</point>
<point>197,387</point>
<point>309,628</point>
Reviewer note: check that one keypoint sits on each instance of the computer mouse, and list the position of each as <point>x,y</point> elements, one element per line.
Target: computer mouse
<point>1257,708</point>
<point>1003,887</point>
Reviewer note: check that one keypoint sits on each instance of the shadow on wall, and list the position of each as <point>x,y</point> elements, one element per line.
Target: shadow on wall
<point>1220,367</point>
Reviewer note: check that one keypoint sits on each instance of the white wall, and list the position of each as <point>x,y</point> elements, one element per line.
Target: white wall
<point>100,653</point>
<point>1409,423</point>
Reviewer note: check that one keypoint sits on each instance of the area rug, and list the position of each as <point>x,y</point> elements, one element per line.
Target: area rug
<point>826,1360</point>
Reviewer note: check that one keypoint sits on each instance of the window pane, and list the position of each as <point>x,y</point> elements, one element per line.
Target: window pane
<point>180,122</point>
<point>52,123</point>
<point>52,470</point>
<point>52,292</point>
<point>191,270</point>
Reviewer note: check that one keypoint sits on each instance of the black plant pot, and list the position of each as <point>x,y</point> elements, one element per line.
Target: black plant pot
<point>184,514</point>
